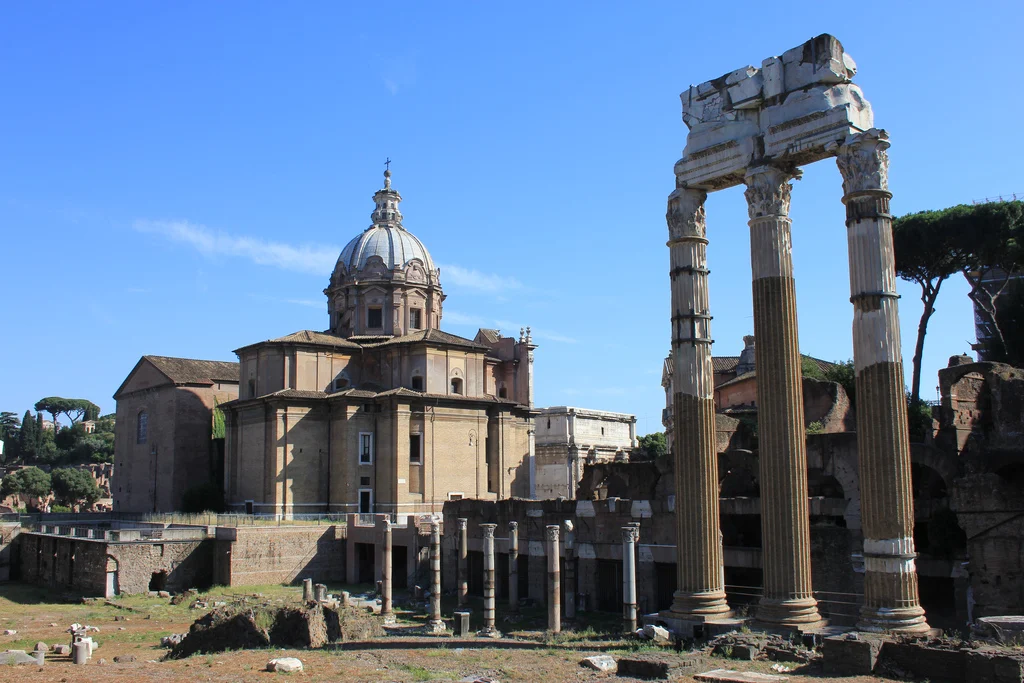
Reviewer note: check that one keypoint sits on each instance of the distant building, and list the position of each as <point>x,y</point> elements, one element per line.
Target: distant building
<point>568,438</point>
<point>164,441</point>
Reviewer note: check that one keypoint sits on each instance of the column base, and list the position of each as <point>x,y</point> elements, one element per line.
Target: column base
<point>699,607</point>
<point>788,613</point>
<point>389,619</point>
<point>900,620</point>
<point>488,632</point>
<point>436,627</point>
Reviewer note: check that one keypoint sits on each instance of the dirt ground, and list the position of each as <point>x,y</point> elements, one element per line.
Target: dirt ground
<point>369,653</point>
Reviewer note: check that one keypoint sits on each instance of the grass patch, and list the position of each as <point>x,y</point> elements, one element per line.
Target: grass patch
<point>420,673</point>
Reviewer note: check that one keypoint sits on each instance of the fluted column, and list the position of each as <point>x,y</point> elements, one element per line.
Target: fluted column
<point>701,591</point>
<point>629,539</point>
<point>386,605</point>
<point>463,587</point>
<point>513,566</point>
<point>887,508</point>
<point>436,624</point>
<point>554,581</point>
<point>782,452</point>
<point>487,530</point>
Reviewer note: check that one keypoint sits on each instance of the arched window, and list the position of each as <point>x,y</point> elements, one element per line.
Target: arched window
<point>142,427</point>
<point>456,385</point>
<point>252,387</point>
<point>503,393</point>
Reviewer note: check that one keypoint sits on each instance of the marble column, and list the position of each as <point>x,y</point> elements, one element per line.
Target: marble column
<point>436,624</point>
<point>463,579</point>
<point>891,600</point>
<point>700,593</point>
<point>386,608</point>
<point>554,581</point>
<point>782,450</point>
<point>629,539</point>
<point>513,566</point>
<point>307,590</point>
<point>487,530</point>
<point>570,569</point>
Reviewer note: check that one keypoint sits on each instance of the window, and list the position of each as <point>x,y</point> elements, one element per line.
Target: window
<point>365,501</point>
<point>503,393</point>
<point>417,383</point>
<point>142,428</point>
<point>602,431</point>
<point>456,385</point>
<point>375,318</point>
<point>549,423</point>
<point>415,319</point>
<point>364,481</point>
<point>455,495</point>
<point>340,383</point>
<point>252,387</point>
<point>365,448</point>
<point>415,449</point>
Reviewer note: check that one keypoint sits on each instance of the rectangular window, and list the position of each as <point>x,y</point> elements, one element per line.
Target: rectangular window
<point>365,448</point>
<point>455,495</point>
<point>415,449</point>
<point>415,319</point>
<point>365,501</point>
<point>142,431</point>
<point>417,383</point>
<point>375,318</point>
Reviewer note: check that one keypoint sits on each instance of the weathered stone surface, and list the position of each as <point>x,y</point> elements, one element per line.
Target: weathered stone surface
<point>605,663</point>
<point>285,665</point>
<point>124,659</point>
<point>986,667</point>
<point>42,647</point>
<point>1007,630</point>
<point>851,655</point>
<point>658,634</point>
<point>226,629</point>
<point>17,657</point>
<point>730,676</point>
<point>62,650</point>
<point>653,667</point>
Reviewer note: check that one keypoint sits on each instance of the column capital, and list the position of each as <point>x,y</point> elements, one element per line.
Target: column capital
<point>551,532</point>
<point>463,523</point>
<point>864,162</point>
<point>768,190</point>
<point>630,534</point>
<point>513,526</point>
<point>685,216</point>
<point>488,530</point>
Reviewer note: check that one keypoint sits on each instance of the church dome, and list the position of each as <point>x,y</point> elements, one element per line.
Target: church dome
<point>396,246</point>
<point>386,237</point>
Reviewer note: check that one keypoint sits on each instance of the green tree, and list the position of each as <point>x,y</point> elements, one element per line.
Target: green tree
<point>653,445</point>
<point>74,486</point>
<point>10,427</point>
<point>810,368</point>
<point>28,437</point>
<point>74,408</point>
<point>29,481</point>
<point>927,252</point>
<point>46,448</point>
<point>843,373</point>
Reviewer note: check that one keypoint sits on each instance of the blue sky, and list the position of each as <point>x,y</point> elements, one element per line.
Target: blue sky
<point>179,178</point>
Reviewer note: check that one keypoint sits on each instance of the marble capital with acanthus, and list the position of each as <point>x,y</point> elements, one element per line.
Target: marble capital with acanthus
<point>685,216</point>
<point>768,190</point>
<point>551,532</point>
<point>863,161</point>
<point>630,534</point>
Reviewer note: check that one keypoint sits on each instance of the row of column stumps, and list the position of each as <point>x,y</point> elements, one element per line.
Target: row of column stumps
<point>891,601</point>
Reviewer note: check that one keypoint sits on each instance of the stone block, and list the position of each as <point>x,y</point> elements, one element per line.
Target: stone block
<point>640,509</point>
<point>462,624</point>
<point>717,154</point>
<point>851,656</point>
<point>604,663</point>
<point>285,665</point>
<point>124,659</point>
<point>818,61</point>
<point>42,647</point>
<point>730,676</point>
<point>657,634</point>
<point>986,667</point>
<point>654,667</point>
<point>745,651</point>
<point>805,123</point>
<point>771,76</point>
<point>585,508</point>
<point>12,657</point>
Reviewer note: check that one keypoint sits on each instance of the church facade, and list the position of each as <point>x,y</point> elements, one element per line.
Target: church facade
<point>383,412</point>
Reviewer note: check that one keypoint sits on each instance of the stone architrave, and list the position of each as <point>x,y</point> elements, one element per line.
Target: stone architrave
<point>436,624</point>
<point>554,581</point>
<point>463,587</point>
<point>630,536</point>
<point>386,610</point>
<point>782,453</point>
<point>700,593</point>
<point>513,566</point>
<point>891,601</point>
<point>487,530</point>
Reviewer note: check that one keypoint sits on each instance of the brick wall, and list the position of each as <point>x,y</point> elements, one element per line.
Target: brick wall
<point>265,555</point>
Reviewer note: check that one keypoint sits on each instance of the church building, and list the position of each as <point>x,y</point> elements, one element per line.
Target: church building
<point>382,412</point>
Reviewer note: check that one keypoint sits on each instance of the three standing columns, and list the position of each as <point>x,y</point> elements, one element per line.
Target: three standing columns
<point>782,453</point>
<point>887,509</point>
<point>700,593</point>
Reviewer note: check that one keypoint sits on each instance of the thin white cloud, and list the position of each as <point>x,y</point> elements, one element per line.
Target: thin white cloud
<point>474,279</point>
<point>457,318</point>
<point>313,259</point>
<point>310,303</point>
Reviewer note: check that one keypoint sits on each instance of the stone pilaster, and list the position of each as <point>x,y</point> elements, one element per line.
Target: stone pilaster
<point>554,581</point>
<point>701,592</point>
<point>436,624</point>
<point>463,579</point>
<point>891,600</point>
<point>782,453</point>
<point>629,539</point>
<point>487,530</point>
<point>513,566</point>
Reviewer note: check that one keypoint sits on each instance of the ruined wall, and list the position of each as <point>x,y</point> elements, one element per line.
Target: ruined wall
<point>262,555</point>
<point>8,551</point>
<point>187,564</point>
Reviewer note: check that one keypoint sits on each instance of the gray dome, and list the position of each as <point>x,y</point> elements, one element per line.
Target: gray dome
<point>395,245</point>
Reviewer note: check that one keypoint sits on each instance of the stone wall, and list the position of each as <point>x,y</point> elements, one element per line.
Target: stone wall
<point>8,549</point>
<point>267,555</point>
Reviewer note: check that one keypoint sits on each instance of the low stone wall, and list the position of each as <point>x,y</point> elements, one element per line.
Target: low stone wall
<point>8,549</point>
<point>278,554</point>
